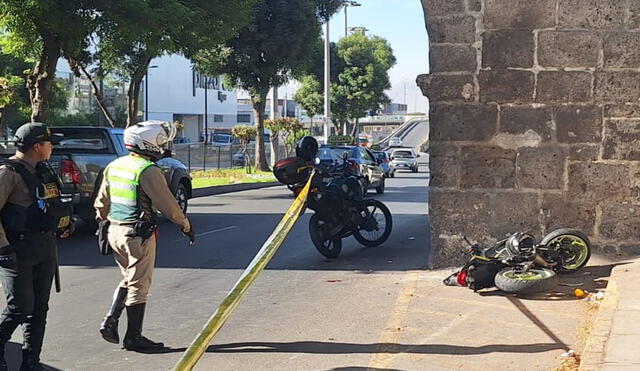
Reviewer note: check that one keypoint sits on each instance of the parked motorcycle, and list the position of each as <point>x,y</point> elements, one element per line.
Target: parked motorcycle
<point>336,197</point>
<point>518,264</point>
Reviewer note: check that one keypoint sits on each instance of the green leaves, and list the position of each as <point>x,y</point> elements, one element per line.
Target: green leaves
<point>309,96</point>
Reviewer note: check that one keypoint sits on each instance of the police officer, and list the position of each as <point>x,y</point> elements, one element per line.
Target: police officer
<point>131,185</point>
<point>32,214</point>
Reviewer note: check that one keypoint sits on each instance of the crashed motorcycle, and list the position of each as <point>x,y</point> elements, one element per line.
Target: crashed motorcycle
<point>518,264</point>
<point>336,197</point>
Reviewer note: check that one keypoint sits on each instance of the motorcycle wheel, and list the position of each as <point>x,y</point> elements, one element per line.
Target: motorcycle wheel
<point>532,281</point>
<point>376,228</point>
<point>573,245</point>
<point>328,247</point>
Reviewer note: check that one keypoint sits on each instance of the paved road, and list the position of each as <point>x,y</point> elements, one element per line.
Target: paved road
<point>301,297</point>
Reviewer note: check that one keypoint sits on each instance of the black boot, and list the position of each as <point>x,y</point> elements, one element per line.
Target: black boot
<point>133,339</point>
<point>30,361</point>
<point>109,327</point>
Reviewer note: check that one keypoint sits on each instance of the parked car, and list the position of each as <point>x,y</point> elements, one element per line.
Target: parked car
<point>404,159</point>
<point>80,159</point>
<point>395,142</point>
<point>183,140</point>
<point>384,159</point>
<point>368,167</point>
<point>222,139</point>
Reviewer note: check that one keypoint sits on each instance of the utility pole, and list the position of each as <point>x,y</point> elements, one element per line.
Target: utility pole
<point>327,82</point>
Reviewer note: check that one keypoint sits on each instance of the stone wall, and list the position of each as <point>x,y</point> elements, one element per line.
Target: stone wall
<point>535,120</point>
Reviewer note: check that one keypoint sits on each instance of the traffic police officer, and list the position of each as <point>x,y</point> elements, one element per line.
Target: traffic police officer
<point>32,214</point>
<point>131,185</point>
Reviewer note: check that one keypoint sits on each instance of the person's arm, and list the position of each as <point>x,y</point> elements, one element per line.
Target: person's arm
<point>7,184</point>
<point>102,204</point>
<point>155,186</point>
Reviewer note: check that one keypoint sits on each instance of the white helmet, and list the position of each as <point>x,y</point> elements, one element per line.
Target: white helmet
<point>149,138</point>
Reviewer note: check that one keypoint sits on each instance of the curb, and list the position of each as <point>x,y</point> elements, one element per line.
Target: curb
<point>229,188</point>
<point>593,354</point>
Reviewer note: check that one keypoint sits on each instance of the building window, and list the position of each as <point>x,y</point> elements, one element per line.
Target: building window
<point>218,118</point>
<point>244,117</point>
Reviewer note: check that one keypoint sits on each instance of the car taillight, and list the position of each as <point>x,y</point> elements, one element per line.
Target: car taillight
<point>69,172</point>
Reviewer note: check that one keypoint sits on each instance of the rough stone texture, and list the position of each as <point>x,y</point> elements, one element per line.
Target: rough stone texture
<point>591,14</point>
<point>622,49</point>
<point>448,58</point>
<point>557,212</point>
<point>634,14</point>
<point>578,124</point>
<point>626,110</point>
<point>502,49</point>
<point>488,167</point>
<point>474,5</point>
<point>506,86</point>
<point>446,165</point>
<point>584,152</point>
<point>560,86</point>
<point>568,49</point>
<point>622,140</point>
<point>541,168</point>
<point>443,88</point>
<point>618,86</point>
<point>512,212</point>
<point>523,119</point>
<point>620,221</point>
<point>462,122</point>
<point>519,14</point>
<point>443,7</point>
<point>595,182</point>
<point>456,212</point>
<point>454,29</point>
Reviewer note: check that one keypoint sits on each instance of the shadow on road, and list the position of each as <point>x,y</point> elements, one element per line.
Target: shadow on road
<point>13,356</point>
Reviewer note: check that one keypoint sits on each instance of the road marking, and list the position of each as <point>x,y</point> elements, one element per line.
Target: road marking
<point>210,232</point>
<point>389,336</point>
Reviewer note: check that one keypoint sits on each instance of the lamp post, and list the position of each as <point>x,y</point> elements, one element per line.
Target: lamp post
<point>146,93</point>
<point>346,5</point>
<point>327,82</point>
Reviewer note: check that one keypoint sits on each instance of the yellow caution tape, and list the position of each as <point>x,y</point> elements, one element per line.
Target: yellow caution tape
<point>231,301</point>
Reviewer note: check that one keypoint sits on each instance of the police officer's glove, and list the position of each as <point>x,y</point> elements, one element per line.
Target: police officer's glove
<point>8,261</point>
<point>191,234</point>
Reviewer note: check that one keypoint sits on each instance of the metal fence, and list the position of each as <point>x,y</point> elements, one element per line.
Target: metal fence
<point>197,156</point>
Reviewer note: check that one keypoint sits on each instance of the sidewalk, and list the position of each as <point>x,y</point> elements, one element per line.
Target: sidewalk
<point>613,342</point>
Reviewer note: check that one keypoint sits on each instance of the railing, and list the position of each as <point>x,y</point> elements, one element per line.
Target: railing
<point>196,157</point>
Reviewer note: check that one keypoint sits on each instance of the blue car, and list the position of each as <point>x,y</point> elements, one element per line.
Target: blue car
<point>384,160</point>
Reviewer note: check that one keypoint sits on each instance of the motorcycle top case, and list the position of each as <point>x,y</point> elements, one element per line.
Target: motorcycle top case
<point>292,170</point>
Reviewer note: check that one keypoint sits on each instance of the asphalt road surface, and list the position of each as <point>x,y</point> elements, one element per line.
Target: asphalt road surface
<point>306,303</point>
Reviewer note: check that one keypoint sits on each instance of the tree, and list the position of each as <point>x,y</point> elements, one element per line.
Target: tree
<point>265,52</point>
<point>310,97</point>
<point>245,133</point>
<point>275,127</point>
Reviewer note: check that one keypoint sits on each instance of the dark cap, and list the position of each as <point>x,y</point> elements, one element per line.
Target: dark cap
<point>35,132</point>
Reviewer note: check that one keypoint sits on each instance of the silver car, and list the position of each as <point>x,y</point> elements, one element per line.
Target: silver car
<point>404,159</point>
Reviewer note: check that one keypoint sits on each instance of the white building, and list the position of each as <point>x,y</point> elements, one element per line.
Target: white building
<point>177,93</point>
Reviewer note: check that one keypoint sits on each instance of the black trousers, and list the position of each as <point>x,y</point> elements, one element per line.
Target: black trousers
<point>27,290</point>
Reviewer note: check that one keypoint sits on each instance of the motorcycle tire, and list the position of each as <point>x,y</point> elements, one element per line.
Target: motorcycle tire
<point>532,281</point>
<point>573,245</point>
<point>388,224</point>
<point>330,248</point>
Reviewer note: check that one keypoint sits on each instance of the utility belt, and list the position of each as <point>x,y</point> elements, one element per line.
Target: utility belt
<point>141,228</point>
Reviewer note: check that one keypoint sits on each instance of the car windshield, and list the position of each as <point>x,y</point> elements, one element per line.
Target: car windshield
<point>331,153</point>
<point>221,138</point>
<point>88,140</point>
<point>403,154</point>
<point>380,155</point>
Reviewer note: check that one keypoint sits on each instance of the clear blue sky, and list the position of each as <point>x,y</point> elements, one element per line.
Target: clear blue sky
<point>401,22</point>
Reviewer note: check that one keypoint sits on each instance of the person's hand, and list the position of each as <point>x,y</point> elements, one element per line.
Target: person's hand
<point>8,261</point>
<point>191,234</point>
<point>67,232</point>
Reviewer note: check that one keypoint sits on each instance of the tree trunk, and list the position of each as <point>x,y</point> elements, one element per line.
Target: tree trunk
<point>133,94</point>
<point>40,81</point>
<point>97,93</point>
<point>274,147</point>
<point>258,114</point>
<point>354,131</point>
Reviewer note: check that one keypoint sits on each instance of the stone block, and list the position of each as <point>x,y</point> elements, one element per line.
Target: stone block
<point>622,50</point>
<point>583,152</point>
<point>634,14</point>
<point>557,212</point>
<point>620,221</point>
<point>591,14</point>
<point>568,49</point>
<point>452,58</point>
<point>617,86</point>
<point>541,167</point>
<point>462,122</point>
<point>578,124</point>
<point>474,5</point>
<point>502,49</point>
<point>519,14</point>
<point>524,119</point>
<point>564,86</point>
<point>627,110</point>
<point>443,88</point>
<point>444,164</point>
<point>488,167</point>
<point>513,212</point>
<point>454,29</point>
<point>594,182</point>
<point>435,8</point>
<point>459,212</point>
<point>506,86</point>
<point>622,140</point>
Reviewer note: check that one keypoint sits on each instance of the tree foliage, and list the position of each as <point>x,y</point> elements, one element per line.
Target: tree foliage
<point>245,133</point>
<point>310,97</point>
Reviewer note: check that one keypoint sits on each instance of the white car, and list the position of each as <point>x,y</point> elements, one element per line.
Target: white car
<point>395,142</point>
<point>404,159</point>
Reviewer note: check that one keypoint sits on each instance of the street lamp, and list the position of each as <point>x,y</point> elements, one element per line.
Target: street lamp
<point>327,82</point>
<point>359,29</point>
<point>347,4</point>
<point>146,93</point>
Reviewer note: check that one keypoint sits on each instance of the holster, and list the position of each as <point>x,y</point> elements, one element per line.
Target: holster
<point>144,229</point>
<point>103,240</point>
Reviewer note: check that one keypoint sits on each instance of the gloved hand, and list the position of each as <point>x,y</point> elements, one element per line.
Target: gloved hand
<point>8,261</point>
<point>191,234</point>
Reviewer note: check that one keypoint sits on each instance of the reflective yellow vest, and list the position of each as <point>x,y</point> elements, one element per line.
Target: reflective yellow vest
<point>123,176</point>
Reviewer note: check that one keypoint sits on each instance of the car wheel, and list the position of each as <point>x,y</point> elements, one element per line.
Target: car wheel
<point>380,188</point>
<point>182,197</point>
<point>365,186</point>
